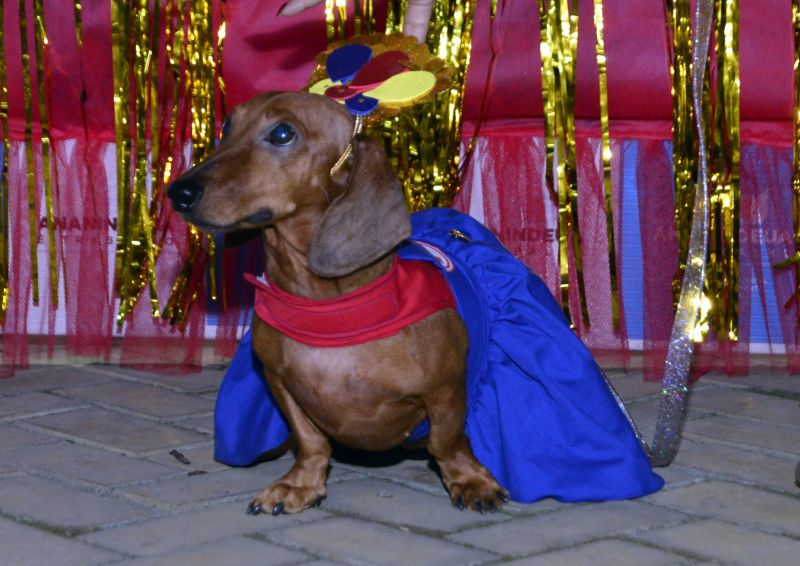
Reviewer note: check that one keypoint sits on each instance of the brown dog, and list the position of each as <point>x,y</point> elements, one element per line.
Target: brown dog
<point>325,235</point>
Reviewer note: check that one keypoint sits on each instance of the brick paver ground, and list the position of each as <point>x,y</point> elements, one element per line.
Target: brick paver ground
<point>107,465</point>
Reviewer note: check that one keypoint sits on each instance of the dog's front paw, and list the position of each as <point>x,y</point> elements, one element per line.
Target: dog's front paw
<point>470,484</point>
<point>477,491</point>
<point>282,497</point>
<point>478,496</point>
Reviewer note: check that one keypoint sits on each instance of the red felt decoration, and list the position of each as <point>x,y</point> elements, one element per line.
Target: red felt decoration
<point>378,69</point>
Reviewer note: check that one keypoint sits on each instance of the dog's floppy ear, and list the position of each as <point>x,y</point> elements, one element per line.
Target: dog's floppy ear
<point>366,221</point>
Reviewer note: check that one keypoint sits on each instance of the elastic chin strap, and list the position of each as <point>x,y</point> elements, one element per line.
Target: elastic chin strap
<point>358,127</point>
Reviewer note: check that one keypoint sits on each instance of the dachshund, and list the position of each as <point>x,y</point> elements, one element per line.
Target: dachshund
<point>328,232</point>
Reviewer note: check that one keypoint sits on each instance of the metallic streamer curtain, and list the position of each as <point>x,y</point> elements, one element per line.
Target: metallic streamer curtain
<point>649,165</point>
<point>123,95</point>
<point>102,101</point>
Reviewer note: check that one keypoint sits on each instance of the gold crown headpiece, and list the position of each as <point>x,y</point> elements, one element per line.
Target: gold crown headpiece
<point>378,76</point>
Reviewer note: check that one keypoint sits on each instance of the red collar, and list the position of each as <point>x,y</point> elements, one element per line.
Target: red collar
<point>410,291</point>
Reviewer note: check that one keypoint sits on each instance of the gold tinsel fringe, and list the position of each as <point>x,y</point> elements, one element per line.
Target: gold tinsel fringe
<point>50,203</point>
<point>794,260</point>
<point>424,142</point>
<point>722,117</point>
<point>679,20</point>
<point>148,127</point>
<point>720,300</point>
<point>135,62</point>
<point>201,53</point>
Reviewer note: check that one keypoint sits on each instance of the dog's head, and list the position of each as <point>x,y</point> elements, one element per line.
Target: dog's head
<point>274,163</point>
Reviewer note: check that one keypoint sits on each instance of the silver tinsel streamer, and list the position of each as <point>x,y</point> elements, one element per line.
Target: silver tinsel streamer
<point>679,355</point>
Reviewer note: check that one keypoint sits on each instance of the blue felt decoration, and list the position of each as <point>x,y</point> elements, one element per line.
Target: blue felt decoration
<point>344,62</point>
<point>361,105</point>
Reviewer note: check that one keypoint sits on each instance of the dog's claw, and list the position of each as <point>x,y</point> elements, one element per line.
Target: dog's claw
<point>278,509</point>
<point>502,496</point>
<point>492,507</point>
<point>460,503</point>
<point>318,501</point>
<point>254,508</point>
<point>479,507</point>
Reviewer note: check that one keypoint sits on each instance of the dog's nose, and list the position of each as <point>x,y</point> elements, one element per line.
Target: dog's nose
<point>184,194</point>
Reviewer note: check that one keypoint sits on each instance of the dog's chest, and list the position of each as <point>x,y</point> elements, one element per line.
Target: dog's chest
<point>369,394</point>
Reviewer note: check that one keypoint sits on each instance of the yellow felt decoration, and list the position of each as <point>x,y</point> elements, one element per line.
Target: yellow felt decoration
<point>321,86</point>
<point>404,88</point>
<point>398,90</point>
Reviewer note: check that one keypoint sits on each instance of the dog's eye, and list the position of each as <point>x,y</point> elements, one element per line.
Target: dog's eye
<point>226,128</point>
<point>282,134</point>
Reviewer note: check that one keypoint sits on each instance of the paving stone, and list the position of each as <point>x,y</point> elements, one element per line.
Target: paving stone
<point>769,381</point>
<point>142,398</point>
<point>631,385</point>
<point>51,377</point>
<point>203,423</point>
<point>33,367</point>
<point>726,543</point>
<point>238,551</point>
<point>736,503</point>
<point>116,430</point>
<point>672,475</point>
<point>753,466</point>
<point>86,464</point>
<point>33,404</point>
<point>12,436</point>
<point>610,551</point>
<point>62,506</point>
<point>337,474</point>
<point>566,527</point>
<point>207,379</point>
<point>745,403</point>
<point>350,540</point>
<point>192,489</point>
<point>644,414</point>
<point>200,458</point>
<point>413,472</point>
<point>388,502</point>
<point>743,431</point>
<point>29,546</point>
<point>644,410</point>
<point>541,506</point>
<point>189,529</point>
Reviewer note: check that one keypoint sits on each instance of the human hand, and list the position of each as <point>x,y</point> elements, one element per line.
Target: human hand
<point>415,23</point>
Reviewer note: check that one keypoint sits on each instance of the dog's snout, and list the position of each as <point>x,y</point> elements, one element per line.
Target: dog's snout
<point>185,194</point>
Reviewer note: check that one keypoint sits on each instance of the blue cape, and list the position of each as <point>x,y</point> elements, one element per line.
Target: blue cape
<point>540,414</point>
